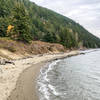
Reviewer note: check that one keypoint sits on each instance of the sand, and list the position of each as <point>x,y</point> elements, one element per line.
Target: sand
<point>17,82</point>
<point>25,87</point>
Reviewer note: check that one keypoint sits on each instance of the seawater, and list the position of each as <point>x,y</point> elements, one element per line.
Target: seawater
<point>73,78</point>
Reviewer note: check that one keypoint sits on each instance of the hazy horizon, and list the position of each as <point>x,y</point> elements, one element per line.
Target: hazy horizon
<point>86,13</point>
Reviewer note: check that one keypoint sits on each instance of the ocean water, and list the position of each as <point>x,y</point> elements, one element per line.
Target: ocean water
<point>73,78</point>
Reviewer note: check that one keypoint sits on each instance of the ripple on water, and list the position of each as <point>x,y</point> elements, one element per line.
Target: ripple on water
<point>74,78</point>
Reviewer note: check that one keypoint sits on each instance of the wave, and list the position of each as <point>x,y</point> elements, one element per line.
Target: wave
<point>75,78</point>
<point>43,83</point>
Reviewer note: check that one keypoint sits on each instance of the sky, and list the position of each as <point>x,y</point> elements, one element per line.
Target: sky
<point>84,12</point>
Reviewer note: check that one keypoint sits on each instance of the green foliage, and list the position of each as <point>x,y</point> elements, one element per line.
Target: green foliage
<point>3,26</point>
<point>32,22</point>
<point>48,37</point>
<point>3,8</point>
<point>20,21</point>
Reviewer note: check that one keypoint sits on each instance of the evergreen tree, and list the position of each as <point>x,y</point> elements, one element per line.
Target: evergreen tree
<point>20,21</point>
<point>3,8</point>
<point>24,20</point>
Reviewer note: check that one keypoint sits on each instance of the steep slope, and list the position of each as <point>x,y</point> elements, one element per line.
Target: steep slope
<point>15,50</point>
<point>32,22</point>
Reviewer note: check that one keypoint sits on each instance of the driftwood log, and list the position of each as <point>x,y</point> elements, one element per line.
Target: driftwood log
<point>5,61</point>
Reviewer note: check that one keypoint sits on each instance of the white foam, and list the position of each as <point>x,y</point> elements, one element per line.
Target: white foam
<point>53,90</point>
<point>43,82</point>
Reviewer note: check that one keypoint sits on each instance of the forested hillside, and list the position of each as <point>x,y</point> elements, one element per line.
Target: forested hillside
<point>22,20</point>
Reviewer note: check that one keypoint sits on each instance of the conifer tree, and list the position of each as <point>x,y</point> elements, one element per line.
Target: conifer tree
<point>20,21</point>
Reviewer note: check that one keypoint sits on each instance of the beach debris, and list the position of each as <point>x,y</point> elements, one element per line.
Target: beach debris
<point>82,53</point>
<point>5,61</point>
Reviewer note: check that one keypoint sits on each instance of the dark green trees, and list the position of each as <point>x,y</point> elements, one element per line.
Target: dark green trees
<point>20,21</point>
<point>27,22</point>
<point>48,37</point>
<point>3,8</point>
<point>3,26</point>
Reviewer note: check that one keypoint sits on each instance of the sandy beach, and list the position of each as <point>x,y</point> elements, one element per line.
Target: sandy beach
<point>17,82</point>
<point>25,87</point>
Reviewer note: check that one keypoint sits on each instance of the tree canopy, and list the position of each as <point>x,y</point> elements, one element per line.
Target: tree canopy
<point>23,20</point>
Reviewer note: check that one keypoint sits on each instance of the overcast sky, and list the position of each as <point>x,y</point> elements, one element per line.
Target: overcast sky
<point>85,12</point>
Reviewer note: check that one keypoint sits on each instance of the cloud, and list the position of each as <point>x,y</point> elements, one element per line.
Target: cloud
<point>85,12</point>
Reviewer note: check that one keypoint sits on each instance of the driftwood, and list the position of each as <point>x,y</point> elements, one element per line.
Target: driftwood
<point>5,61</point>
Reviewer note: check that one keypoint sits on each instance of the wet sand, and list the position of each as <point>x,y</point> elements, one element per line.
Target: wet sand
<point>26,84</point>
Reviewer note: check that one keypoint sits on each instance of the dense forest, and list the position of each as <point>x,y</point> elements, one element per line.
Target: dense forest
<point>22,20</point>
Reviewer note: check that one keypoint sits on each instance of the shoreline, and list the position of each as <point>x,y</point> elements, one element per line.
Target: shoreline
<point>18,78</point>
<point>26,84</point>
